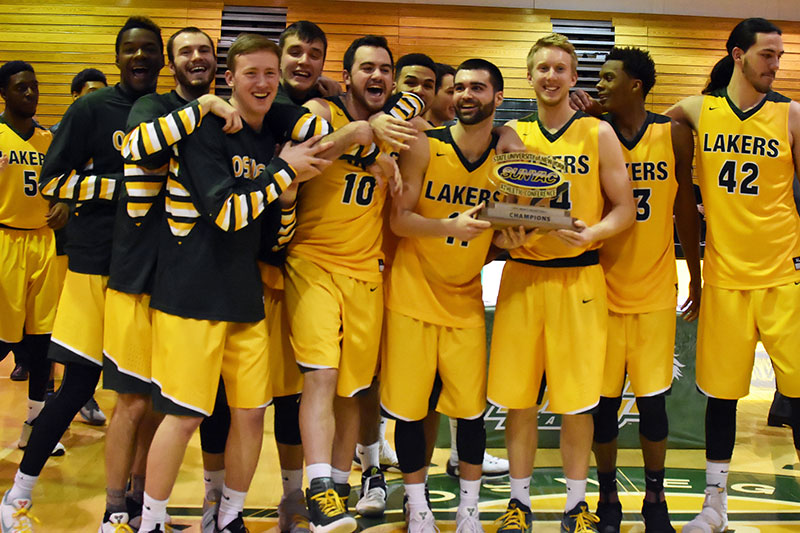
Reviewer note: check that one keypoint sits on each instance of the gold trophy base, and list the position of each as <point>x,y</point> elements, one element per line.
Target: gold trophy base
<point>503,215</point>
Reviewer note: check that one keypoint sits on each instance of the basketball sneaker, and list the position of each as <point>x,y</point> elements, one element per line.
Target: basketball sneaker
<point>292,513</point>
<point>492,466</point>
<point>579,520</point>
<point>235,526</point>
<point>343,490</point>
<point>372,502</point>
<point>422,522</point>
<point>656,517</point>
<point>25,436</point>
<point>15,515</point>
<point>115,523</point>
<point>517,518</point>
<point>713,518</point>
<point>610,514</point>
<point>208,524</point>
<point>468,520</point>
<point>92,414</point>
<point>328,514</point>
<point>387,458</point>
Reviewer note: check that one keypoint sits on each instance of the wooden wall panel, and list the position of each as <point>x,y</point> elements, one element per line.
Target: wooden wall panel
<point>63,37</point>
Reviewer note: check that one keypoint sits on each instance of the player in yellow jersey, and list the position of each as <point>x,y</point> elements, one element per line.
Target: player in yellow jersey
<point>29,285</point>
<point>748,153</point>
<point>639,265</point>
<point>553,288</point>
<point>435,320</point>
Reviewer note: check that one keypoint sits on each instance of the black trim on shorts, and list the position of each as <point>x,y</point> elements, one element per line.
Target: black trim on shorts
<point>166,406</point>
<point>122,383</point>
<point>6,226</point>
<point>62,355</point>
<point>587,258</point>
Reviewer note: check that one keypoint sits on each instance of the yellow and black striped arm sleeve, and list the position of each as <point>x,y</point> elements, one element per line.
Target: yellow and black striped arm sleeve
<point>287,227</point>
<point>240,208</point>
<point>404,106</point>
<point>142,187</point>
<point>309,125</point>
<point>155,136</point>
<point>74,186</point>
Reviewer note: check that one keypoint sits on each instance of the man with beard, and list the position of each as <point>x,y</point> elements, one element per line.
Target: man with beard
<point>84,167</point>
<point>29,280</point>
<point>333,289</point>
<point>441,109</point>
<point>748,155</point>
<point>639,264</point>
<point>127,348</point>
<point>435,319</point>
<point>553,289</point>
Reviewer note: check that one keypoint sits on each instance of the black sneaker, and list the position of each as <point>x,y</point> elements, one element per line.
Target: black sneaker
<point>372,500</point>
<point>516,519</point>
<point>610,514</point>
<point>328,514</point>
<point>656,518</point>
<point>579,520</point>
<point>20,373</point>
<point>343,490</point>
<point>235,526</point>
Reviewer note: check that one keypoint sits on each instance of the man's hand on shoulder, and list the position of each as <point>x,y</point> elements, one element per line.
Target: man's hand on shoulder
<point>214,104</point>
<point>394,132</point>
<point>303,157</point>
<point>328,87</point>
<point>579,100</point>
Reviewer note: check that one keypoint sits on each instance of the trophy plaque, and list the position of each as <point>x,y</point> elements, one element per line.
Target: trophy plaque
<point>526,175</point>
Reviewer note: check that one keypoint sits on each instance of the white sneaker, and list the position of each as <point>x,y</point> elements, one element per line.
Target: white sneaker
<point>92,414</point>
<point>116,523</point>
<point>388,458</point>
<point>293,514</point>
<point>468,520</point>
<point>208,523</point>
<point>422,522</point>
<point>372,500</point>
<point>58,451</point>
<point>713,518</point>
<point>15,515</point>
<point>494,466</point>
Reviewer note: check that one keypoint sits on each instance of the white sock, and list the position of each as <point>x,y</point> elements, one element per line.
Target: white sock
<point>340,476</point>
<point>369,455</point>
<point>23,486</point>
<point>470,490</point>
<point>231,504</point>
<point>453,441</point>
<point>292,480</point>
<point>318,470</point>
<point>154,513</point>
<point>213,481</point>
<point>521,489</point>
<point>416,496</point>
<point>34,408</point>
<point>717,474</point>
<point>576,492</point>
<point>382,429</point>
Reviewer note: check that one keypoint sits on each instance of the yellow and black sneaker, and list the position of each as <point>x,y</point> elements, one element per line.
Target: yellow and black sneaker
<point>343,490</point>
<point>516,519</point>
<point>325,507</point>
<point>579,520</point>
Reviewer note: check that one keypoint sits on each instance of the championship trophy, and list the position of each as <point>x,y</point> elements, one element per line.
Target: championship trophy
<point>526,175</point>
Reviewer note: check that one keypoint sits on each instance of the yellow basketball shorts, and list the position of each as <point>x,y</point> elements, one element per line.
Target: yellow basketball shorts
<point>641,345</point>
<point>127,343</point>
<point>553,321</point>
<point>62,265</point>
<point>287,380</point>
<point>78,329</point>
<point>732,322</point>
<point>415,352</point>
<point>190,355</point>
<point>28,283</point>
<point>335,323</point>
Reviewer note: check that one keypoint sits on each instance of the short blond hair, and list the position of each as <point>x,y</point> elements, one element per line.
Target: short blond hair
<point>554,40</point>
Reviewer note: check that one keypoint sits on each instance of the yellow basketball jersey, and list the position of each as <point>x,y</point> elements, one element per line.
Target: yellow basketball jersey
<point>745,170</point>
<point>21,205</point>
<point>340,216</point>
<point>576,145</point>
<point>639,263</point>
<point>437,279</point>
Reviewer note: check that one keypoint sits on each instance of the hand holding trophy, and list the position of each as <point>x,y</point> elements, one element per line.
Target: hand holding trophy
<point>527,175</point>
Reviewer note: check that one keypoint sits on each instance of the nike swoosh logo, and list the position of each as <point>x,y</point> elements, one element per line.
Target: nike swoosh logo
<point>712,108</point>
<point>587,301</point>
<point>373,289</point>
<point>440,155</point>
<point>797,282</point>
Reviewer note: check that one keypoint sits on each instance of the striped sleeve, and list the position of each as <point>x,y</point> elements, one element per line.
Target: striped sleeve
<point>287,227</point>
<point>73,186</point>
<point>309,125</point>
<point>152,137</point>
<point>404,106</point>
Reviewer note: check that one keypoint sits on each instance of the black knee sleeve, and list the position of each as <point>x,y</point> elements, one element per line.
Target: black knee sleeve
<point>409,441</point>
<point>76,389</point>
<point>471,440</point>
<point>606,424</point>
<point>214,429</point>
<point>795,417</point>
<point>38,365</point>
<point>653,421</point>
<point>287,420</point>
<point>720,429</point>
